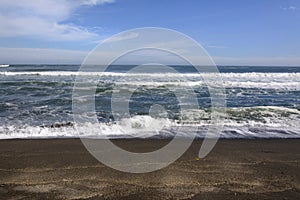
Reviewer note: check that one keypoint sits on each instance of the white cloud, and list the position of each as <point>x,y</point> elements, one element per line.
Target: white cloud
<point>265,61</point>
<point>60,56</point>
<point>43,18</point>
<point>126,36</point>
<point>216,46</point>
<point>40,56</point>
<point>291,8</point>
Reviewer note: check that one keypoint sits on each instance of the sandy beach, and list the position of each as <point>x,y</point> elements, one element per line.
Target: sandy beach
<point>235,169</point>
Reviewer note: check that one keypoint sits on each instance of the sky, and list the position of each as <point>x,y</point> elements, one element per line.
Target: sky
<point>233,32</point>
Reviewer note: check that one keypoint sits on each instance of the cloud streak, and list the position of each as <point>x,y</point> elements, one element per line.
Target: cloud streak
<point>216,46</point>
<point>41,56</point>
<point>257,61</point>
<point>44,19</point>
<point>291,8</point>
<point>60,56</point>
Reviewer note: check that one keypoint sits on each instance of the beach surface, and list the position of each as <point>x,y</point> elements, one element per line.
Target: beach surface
<point>235,169</point>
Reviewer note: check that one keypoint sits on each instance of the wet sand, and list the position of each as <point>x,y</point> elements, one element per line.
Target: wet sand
<point>235,169</point>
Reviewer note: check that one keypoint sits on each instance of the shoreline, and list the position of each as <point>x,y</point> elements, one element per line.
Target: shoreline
<point>62,168</point>
<point>154,139</point>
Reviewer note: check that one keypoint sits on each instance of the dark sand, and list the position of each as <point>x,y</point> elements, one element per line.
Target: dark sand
<point>235,169</point>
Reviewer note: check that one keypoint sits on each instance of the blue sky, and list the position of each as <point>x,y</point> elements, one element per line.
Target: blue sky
<point>234,32</point>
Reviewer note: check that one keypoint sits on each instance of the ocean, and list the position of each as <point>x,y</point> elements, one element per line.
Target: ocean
<point>262,102</point>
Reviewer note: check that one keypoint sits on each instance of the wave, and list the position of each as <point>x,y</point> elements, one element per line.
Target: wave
<point>257,75</point>
<point>288,81</point>
<point>228,84</point>
<point>252,122</point>
<point>114,132</point>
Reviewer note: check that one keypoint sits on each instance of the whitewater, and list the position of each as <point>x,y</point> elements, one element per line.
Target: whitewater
<point>36,102</point>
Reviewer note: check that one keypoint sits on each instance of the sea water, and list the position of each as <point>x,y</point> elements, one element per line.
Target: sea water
<point>262,102</point>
